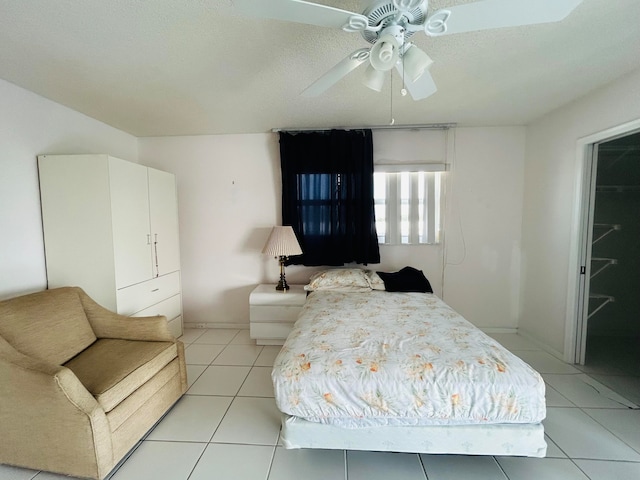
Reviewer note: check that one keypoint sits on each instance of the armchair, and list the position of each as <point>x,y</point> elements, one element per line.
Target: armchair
<point>81,385</point>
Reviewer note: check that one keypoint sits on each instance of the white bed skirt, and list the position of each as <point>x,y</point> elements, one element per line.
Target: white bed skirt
<point>525,440</point>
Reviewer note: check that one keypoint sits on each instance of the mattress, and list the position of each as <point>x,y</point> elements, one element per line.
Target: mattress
<point>358,360</point>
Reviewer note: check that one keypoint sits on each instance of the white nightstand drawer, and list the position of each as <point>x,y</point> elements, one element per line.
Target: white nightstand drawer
<point>272,313</point>
<point>268,295</point>
<point>271,331</point>
<point>261,313</point>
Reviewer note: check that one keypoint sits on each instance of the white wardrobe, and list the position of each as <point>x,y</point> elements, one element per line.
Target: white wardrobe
<point>111,227</point>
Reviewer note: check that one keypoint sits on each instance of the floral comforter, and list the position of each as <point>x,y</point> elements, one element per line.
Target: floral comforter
<point>381,358</point>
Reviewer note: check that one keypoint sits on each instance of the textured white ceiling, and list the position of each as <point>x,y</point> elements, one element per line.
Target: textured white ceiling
<point>168,67</point>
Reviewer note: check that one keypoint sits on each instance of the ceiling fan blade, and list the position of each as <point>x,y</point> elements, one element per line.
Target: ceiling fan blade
<point>303,12</point>
<point>422,88</point>
<point>338,72</point>
<point>486,14</point>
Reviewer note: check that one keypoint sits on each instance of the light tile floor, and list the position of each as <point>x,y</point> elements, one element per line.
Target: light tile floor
<point>227,427</point>
<point>615,362</point>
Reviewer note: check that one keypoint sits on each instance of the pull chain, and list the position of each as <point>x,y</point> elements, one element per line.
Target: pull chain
<point>403,91</point>
<point>391,119</point>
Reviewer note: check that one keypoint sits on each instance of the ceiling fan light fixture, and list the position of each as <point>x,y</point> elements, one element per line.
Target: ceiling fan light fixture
<point>385,53</point>
<point>416,62</point>
<point>374,79</point>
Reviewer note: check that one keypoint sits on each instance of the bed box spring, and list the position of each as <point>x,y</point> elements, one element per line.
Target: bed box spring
<point>526,440</point>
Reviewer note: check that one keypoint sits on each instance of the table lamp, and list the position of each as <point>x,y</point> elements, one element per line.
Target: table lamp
<point>282,243</point>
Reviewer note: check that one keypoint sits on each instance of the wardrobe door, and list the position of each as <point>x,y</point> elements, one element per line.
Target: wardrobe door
<point>76,219</point>
<point>130,218</point>
<point>163,211</point>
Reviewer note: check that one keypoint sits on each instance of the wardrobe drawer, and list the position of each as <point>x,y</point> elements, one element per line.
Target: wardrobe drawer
<point>170,308</point>
<point>134,298</point>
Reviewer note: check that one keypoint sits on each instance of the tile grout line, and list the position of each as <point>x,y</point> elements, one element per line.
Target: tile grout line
<point>346,467</point>
<point>609,430</point>
<point>215,429</point>
<point>580,469</point>
<point>273,456</point>
<point>193,469</point>
<point>500,467</point>
<point>424,468</point>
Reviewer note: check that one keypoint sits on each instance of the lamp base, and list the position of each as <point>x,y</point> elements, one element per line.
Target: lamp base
<point>282,284</point>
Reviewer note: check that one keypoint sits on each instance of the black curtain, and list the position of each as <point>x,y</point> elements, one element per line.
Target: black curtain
<point>327,196</point>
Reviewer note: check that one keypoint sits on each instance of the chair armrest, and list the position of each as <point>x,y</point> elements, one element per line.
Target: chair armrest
<point>107,324</point>
<point>45,412</point>
<point>20,373</point>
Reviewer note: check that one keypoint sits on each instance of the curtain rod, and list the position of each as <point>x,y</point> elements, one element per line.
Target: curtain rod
<point>426,126</point>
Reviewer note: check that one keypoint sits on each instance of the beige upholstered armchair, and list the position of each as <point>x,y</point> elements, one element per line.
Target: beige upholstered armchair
<point>80,385</point>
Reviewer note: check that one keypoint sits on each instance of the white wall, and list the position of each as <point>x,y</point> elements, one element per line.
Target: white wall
<point>483,233</point>
<point>229,191</point>
<point>228,200</point>
<point>483,218</point>
<point>229,194</point>
<point>551,171</point>
<point>229,197</point>
<point>30,125</point>
<point>409,147</point>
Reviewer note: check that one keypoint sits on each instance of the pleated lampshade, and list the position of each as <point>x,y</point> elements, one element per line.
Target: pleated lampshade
<point>282,241</point>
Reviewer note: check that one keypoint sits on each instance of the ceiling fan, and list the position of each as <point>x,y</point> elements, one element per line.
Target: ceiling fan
<point>389,24</point>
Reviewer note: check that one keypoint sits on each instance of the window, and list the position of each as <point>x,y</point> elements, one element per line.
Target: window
<point>408,204</point>
<point>319,200</point>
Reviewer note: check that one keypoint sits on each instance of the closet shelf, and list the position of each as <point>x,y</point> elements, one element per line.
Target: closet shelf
<point>607,227</point>
<point>617,188</point>
<point>605,299</point>
<point>604,263</point>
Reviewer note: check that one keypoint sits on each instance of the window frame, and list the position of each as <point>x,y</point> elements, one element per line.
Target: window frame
<point>393,235</point>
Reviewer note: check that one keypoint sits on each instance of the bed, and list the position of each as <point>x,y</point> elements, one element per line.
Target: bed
<point>369,369</point>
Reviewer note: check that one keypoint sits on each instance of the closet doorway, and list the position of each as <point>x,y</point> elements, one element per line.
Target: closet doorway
<point>609,334</point>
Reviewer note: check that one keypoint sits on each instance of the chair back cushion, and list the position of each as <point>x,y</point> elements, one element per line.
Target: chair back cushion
<point>49,325</point>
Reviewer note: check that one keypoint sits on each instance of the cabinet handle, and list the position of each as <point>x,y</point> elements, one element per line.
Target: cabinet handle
<point>155,289</point>
<point>155,252</point>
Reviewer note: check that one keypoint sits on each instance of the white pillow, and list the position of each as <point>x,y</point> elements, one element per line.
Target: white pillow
<point>339,279</point>
<point>375,282</point>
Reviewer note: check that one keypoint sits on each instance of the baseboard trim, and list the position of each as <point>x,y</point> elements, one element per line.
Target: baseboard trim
<point>241,326</point>
<point>543,346</point>
<point>498,329</point>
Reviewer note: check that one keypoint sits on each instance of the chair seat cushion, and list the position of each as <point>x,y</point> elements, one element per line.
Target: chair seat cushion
<point>112,369</point>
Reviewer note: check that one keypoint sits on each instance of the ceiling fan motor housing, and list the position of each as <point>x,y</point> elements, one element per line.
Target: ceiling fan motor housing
<point>383,13</point>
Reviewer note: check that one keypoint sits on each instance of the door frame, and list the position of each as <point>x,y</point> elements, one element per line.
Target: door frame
<point>584,255</point>
<point>580,238</point>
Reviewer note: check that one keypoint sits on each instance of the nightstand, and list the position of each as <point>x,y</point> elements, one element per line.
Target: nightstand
<point>272,313</point>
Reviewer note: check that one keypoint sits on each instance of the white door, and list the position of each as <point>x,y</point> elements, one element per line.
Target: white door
<point>130,217</point>
<point>163,208</point>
